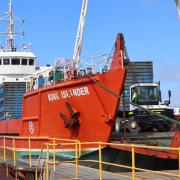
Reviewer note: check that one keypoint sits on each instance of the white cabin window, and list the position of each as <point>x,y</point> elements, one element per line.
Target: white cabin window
<point>24,62</point>
<point>31,62</point>
<point>6,61</point>
<point>15,61</point>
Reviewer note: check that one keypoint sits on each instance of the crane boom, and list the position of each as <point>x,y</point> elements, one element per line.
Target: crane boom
<point>177,6</point>
<point>79,37</point>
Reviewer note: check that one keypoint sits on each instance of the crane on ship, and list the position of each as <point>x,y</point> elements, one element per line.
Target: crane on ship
<point>79,36</point>
<point>177,6</point>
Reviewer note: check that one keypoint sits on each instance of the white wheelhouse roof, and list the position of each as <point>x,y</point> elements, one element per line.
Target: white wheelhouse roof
<point>24,54</point>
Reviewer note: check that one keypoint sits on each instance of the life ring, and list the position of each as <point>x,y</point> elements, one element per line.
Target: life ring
<point>31,127</point>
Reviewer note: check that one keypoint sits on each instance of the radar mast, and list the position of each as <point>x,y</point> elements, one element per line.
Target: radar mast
<point>11,19</point>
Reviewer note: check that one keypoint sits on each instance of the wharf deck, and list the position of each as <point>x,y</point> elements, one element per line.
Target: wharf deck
<point>150,176</point>
<point>20,170</point>
<point>3,175</point>
<point>66,171</point>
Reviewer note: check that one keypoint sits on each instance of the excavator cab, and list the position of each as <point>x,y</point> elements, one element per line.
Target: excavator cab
<point>145,94</point>
<point>148,95</point>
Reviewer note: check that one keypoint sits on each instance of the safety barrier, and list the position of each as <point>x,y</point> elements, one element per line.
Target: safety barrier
<point>68,71</point>
<point>10,146</point>
<point>52,147</point>
<point>101,145</point>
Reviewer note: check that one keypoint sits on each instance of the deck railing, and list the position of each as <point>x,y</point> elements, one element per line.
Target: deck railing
<point>53,148</point>
<point>63,73</point>
<point>10,148</point>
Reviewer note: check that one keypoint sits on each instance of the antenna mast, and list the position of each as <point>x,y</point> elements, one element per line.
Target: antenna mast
<point>10,33</point>
<point>10,18</point>
<point>79,37</point>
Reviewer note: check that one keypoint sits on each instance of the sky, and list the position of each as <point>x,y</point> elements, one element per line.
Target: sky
<point>151,29</point>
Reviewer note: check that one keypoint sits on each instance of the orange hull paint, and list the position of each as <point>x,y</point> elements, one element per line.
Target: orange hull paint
<point>97,108</point>
<point>10,127</point>
<point>76,109</point>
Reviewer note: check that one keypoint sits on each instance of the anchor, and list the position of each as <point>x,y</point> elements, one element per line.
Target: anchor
<point>74,114</point>
<point>72,111</point>
<point>66,120</point>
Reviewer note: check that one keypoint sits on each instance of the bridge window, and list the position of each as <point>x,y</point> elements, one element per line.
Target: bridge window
<point>24,62</point>
<point>6,61</point>
<point>31,62</point>
<point>15,61</point>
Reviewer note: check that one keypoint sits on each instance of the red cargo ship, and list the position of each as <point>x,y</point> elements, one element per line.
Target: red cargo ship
<point>73,109</point>
<point>64,102</point>
<point>78,108</point>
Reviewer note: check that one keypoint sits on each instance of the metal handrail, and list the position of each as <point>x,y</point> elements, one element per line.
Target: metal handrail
<point>29,141</point>
<point>66,71</point>
<point>54,162</point>
<point>56,145</point>
<point>100,145</point>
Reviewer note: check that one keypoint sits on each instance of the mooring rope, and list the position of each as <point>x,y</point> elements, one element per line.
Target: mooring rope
<point>134,104</point>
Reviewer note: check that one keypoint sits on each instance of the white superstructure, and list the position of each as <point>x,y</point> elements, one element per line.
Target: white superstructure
<point>15,64</point>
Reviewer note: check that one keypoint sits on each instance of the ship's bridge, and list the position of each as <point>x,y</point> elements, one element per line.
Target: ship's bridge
<point>19,64</point>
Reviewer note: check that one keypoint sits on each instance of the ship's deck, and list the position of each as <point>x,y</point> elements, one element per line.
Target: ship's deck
<point>147,138</point>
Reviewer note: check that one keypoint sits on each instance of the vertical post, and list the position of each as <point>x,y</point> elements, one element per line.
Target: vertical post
<point>79,149</point>
<point>16,174</point>
<point>76,158</point>
<point>30,160</point>
<point>91,65</point>
<point>36,174</point>
<point>47,161</point>
<point>122,59</point>
<point>14,153</point>
<point>64,72</point>
<point>54,153</point>
<point>4,148</point>
<point>100,69</point>
<point>133,162</point>
<point>179,162</point>
<point>7,171</point>
<point>100,162</point>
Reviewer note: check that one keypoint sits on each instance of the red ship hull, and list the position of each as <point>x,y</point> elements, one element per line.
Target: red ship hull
<point>96,108</point>
<point>75,109</point>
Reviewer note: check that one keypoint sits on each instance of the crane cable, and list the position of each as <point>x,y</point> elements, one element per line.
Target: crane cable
<point>138,106</point>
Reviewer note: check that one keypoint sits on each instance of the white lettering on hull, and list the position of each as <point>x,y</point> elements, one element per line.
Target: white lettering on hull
<point>83,91</point>
<point>53,97</point>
